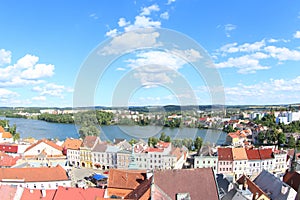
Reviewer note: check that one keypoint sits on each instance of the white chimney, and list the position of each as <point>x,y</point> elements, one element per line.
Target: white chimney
<point>43,192</point>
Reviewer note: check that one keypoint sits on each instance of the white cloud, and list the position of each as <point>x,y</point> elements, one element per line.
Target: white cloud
<point>38,71</point>
<point>5,93</point>
<point>170,1</point>
<point>190,55</point>
<point>131,40</point>
<point>282,53</point>
<point>120,69</point>
<point>122,22</point>
<point>5,57</point>
<point>154,68</point>
<point>164,15</point>
<point>246,47</point>
<point>246,64</point>
<point>52,89</point>
<point>228,28</point>
<point>268,92</point>
<point>297,34</point>
<point>39,98</point>
<point>27,61</point>
<point>147,10</point>
<point>94,16</point>
<point>112,33</point>
<point>143,22</point>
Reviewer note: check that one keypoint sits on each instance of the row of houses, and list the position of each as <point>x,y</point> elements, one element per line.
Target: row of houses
<point>93,153</point>
<point>239,161</point>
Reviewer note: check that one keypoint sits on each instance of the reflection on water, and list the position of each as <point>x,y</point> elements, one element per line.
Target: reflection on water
<point>41,129</point>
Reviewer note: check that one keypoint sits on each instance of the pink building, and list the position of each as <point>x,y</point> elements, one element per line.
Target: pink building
<point>225,161</point>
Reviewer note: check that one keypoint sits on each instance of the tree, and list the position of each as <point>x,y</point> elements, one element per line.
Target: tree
<point>291,142</point>
<point>162,136</point>
<point>281,139</point>
<point>261,137</point>
<point>152,141</point>
<point>16,137</point>
<point>88,130</point>
<point>198,143</point>
<point>168,139</point>
<point>132,141</point>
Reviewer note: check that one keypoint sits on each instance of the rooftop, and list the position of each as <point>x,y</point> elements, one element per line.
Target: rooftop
<point>37,174</point>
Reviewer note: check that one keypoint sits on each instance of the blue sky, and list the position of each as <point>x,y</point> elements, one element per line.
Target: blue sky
<point>254,45</point>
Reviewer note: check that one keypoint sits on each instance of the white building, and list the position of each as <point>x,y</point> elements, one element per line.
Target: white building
<point>280,160</point>
<point>254,162</point>
<point>44,149</point>
<point>240,161</point>
<point>35,178</point>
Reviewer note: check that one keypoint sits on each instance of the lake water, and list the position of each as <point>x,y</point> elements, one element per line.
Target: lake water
<point>41,129</point>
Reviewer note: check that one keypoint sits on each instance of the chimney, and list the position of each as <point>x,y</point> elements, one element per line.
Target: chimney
<point>245,185</point>
<point>43,191</point>
<point>256,196</point>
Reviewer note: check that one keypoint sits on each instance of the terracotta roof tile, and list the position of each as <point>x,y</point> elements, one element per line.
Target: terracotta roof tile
<point>253,154</point>
<point>197,182</point>
<point>239,154</point>
<point>265,154</point>
<point>122,182</point>
<point>37,194</point>
<point>142,192</point>
<point>292,179</point>
<point>72,143</point>
<point>6,135</point>
<point>1,129</point>
<point>8,161</point>
<point>251,186</point>
<point>78,193</point>
<point>225,154</point>
<point>7,192</point>
<point>9,148</point>
<point>89,141</point>
<point>37,174</point>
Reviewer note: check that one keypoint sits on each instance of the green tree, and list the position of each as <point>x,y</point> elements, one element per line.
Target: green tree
<point>88,130</point>
<point>16,137</point>
<point>281,138</point>
<point>168,139</point>
<point>152,141</point>
<point>162,136</point>
<point>261,137</point>
<point>132,141</point>
<point>292,142</point>
<point>198,143</point>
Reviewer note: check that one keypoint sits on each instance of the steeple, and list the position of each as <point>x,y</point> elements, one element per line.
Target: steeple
<point>132,163</point>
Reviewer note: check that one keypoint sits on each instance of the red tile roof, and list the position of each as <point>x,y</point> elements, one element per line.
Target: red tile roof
<point>251,186</point>
<point>7,192</point>
<point>265,154</point>
<point>64,193</point>
<point>239,154</point>
<point>9,148</point>
<point>50,143</point>
<point>72,143</point>
<point>225,154</point>
<point>151,149</point>
<point>37,174</point>
<point>197,182</point>
<point>122,182</point>
<point>162,144</point>
<point>37,194</point>
<point>6,135</point>
<point>292,179</point>
<point>8,161</point>
<point>89,141</point>
<point>253,154</point>
<point>1,129</point>
<point>142,192</point>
